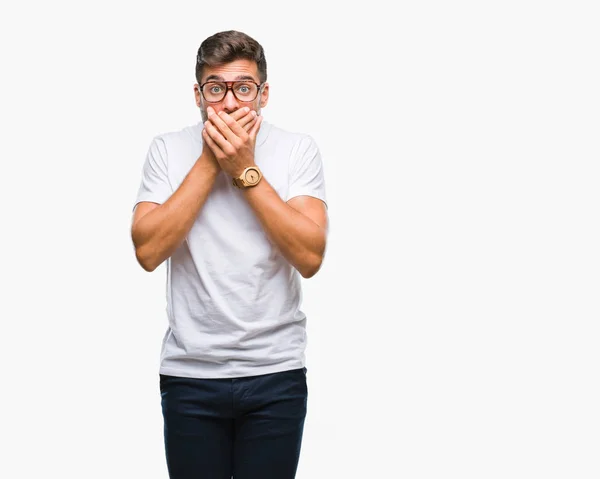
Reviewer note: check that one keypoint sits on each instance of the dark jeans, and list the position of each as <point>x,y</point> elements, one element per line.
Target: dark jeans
<point>248,428</point>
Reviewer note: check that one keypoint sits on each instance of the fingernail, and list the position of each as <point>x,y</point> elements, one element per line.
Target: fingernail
<point>253,113</point>
<point>245,109</point>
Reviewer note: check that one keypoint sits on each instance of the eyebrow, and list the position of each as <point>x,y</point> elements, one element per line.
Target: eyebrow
<point>220,78</point>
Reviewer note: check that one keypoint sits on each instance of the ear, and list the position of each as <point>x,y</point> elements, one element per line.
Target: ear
<point>197,95</point>
<point>264,96</point>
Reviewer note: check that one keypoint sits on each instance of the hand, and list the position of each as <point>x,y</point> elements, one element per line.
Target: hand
<point>245,119</point>
<point>231,144</point>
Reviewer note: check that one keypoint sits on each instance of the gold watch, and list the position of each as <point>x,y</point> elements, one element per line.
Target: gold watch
<point>250,177</point>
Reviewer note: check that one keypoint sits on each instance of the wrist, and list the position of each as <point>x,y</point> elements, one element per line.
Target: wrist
<point>209,157</point>
<point>249,177</point>
<point>208,163</point>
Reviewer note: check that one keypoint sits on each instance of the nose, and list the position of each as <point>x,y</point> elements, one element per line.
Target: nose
<point>230,103</point>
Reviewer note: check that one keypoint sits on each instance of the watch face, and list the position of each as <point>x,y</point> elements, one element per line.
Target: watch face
<point>251,176</point>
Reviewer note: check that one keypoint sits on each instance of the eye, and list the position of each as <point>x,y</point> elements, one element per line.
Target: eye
<point>245,88</point>
<point>216,89</point>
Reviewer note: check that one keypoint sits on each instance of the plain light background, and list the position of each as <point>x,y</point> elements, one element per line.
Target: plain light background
<point>453,329</point>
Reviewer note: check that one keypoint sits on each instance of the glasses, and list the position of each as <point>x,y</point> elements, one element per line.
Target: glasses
<point>215,91</point>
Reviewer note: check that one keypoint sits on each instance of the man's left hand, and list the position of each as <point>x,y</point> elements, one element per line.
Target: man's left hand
<point>232,146</point>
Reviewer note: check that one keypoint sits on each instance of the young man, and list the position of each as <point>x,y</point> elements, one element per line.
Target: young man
<point>236,206</point>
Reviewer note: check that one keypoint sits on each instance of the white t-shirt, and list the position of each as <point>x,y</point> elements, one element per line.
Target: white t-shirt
<point>233,300</point>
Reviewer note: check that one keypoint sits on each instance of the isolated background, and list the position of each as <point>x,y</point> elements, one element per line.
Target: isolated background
<point>453,329</point>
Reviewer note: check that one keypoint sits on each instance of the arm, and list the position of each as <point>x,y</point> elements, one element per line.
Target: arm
<point>298,227</point>
<point>157,230</point>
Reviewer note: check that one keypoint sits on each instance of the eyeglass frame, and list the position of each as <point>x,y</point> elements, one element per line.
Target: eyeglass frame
<point>229,86</point>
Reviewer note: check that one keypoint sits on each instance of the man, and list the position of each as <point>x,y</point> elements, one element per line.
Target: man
<point>236,206</point>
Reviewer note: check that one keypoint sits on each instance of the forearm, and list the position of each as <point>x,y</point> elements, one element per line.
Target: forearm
<point>160,232</point>
<point>300,240</point>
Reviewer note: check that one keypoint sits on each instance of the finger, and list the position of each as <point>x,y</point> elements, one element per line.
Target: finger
<point>248,121</point>
<point>254,131</point>
<point>240,113</point>
<point>212,145</point>
<point>210,111</point>
<point>228,127</point>
<point>248,126</point>
<point>216,136</point>
<point>220,126</point>
<point>244,116</point>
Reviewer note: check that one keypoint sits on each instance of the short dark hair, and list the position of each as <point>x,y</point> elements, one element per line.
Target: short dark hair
<point>228,46</point>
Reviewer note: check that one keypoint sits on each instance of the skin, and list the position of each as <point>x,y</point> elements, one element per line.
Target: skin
<point>158,230</point>
<point>235,70</point>
<point>298,228</point>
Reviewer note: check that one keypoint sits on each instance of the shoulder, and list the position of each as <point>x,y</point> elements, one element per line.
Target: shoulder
<point>183,136</point>
<point>172,145</point>
<point>299,142</point>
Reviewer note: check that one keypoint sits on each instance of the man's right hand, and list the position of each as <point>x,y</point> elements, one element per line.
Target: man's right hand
<point>244,118</point>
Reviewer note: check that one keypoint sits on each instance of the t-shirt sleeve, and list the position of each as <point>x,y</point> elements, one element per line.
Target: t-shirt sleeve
<point>155,186</point>
<point>306,171</point>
